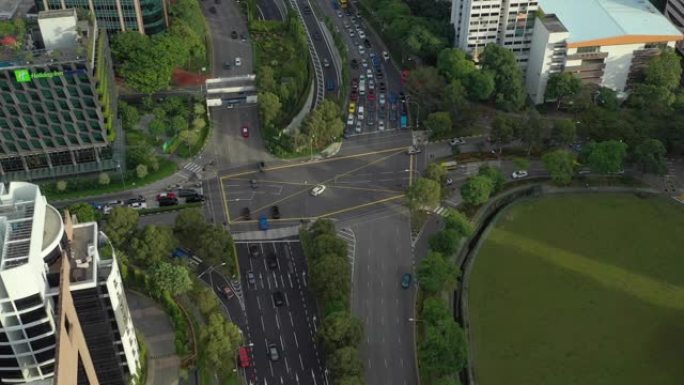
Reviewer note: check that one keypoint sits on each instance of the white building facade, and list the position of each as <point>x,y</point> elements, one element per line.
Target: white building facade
<point>604,42</point>
<point>32,242</point>
<point>508,23</point>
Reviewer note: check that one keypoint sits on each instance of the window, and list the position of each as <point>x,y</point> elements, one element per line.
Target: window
<point>591,49</point>
<point>28,302</point>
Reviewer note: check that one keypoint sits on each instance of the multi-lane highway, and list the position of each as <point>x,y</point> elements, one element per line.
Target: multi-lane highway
<point>281,314</point>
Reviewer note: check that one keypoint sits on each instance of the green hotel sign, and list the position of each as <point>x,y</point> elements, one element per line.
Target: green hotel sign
<point>24,75</point>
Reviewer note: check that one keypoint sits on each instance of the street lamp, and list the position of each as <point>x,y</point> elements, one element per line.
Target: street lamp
<point>123,181</point>
<point>311,146</point>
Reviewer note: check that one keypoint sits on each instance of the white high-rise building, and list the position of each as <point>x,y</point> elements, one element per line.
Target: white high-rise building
<point>508,23</point>
<point>33,240</point>
<point>604,42</point>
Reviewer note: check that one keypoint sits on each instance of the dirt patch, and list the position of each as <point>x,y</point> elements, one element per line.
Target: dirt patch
<point>184,78</point>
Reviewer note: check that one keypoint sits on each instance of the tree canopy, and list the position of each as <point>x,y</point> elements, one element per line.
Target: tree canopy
<point>477,190</point>
<point>166,277</point>
<point>121,223</point>
<point>424,193</point>
<point>606,157</point>
<point>435,273</point>
<point>151,245</point>
<point>509,91</point>
<point>561,165</point>
<point>84,212</point>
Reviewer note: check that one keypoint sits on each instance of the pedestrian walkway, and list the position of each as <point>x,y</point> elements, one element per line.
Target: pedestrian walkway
<point>193,167</point>
<point>154,328</point>
<point>441,211</point>
<point>277,233</point>
<point>348,236</point>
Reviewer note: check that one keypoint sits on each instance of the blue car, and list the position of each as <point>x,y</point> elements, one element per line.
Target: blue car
<point>406,280</point>
<point>263,222</point>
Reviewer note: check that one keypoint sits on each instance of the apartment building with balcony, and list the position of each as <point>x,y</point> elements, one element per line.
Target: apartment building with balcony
<point>603,42</point>
<point>34,240</point>
<point>508,23</point>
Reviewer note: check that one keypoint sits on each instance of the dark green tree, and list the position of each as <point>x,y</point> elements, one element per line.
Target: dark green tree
<point>454,64</point>
<point>129,115</point>
<point>509,91</point>
<point>216,246</point>
<point>173,279</point>
<point>151,245</point>
<point>445,241</point>
<point>269,107</point>
<point>606,157</point>
<point>121,223</point>
<point>423,194</point>
<point>426,86</point>
<point>345,362</point>
<point>480,85</point>
<point>495,175</point>
<point>563,132</point>
<point>503,131</point>
<point>219,339</point>
<point>561,86</point>
<point>439,123</point>
<point>435,310</point>
<point>436,172</point>
<point>664,70</point>
<point>561,165</point>
<point>457,221</point>
<point>188,224</point>
<point>649,156</point>
<point>531,130</point>
<point>329,278</point>
<point>435,273</point>
<point>84,212</point>
<point>443,350</point>
<point>338,330</point>
<point>477,190</point>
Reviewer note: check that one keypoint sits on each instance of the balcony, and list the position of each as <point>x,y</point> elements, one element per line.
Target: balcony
<point>588,55</point>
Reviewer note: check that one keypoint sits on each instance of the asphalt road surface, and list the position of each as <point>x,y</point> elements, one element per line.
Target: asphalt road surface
<point>289,327</point>
<point>383,255</point>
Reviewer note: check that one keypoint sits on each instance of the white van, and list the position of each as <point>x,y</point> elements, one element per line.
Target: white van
<point>350,119</point>
<point>360,115</point>
<point>362,87</point>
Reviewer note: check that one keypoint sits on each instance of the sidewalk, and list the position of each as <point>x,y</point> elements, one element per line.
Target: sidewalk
<point>283,232</point>
<point>154,327</point>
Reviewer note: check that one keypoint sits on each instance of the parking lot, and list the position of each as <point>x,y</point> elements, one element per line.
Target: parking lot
<point>351,183</point>
<point>281,314</point>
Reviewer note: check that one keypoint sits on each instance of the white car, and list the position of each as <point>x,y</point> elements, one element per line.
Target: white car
<point>519,174</point>
<point>358,128</point>
<point>371,84</point>
<point>318,190</point>
<point>138,205</point>
<point>350,119</point>
<point>326,62</point>
<point>362,35</point>
<point>364,63</point>
<point>362,50</point>
<point>340,14</point>
<point>456,141</point>
<point>352,33</point>
<point>385,55</point>
<point>412,150</point>
<point>238,61</point>
<point>369,73</point>
<point>381,99</point>
<point>381,125</point>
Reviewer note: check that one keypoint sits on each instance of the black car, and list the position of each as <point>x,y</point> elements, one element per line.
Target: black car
<point>382,87</point>
<point>275,212</point>
<point>246,214</point>
<point>187,192</point>
<point>138,199</point>
<point>226,65</point>
<point>354,63</point>
<point>272,261</point>
<point>254,251</point>
<point>217,1</point>
<point>234,34</point>
<point>278,298</point>
<point>194,198</point>
<point>317,35</point>
<point>262,166</point>
<point>367,43</point>
<point>212,10</point>
<point>167,201</point>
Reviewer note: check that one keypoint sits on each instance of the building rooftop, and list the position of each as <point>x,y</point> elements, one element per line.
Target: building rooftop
<point>552,23</point>
<point>8,8</point>
<point>16,224</point>
<point>592,20</point>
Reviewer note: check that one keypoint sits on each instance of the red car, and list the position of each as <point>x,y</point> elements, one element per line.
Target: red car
<point>243,357</point>
<point>371,94</point>
<point>354,95</point>
<point>168,195</point>
<point>245,131</point>
<point>355,84</point>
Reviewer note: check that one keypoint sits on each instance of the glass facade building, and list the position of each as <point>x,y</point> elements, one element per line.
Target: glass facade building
<point>146,16</point>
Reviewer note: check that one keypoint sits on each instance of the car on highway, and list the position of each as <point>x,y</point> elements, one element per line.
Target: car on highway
<point>519,174</point>
<point>379,75</point>
<point>246,214</point>
<point>326,62</point>
<point>352,107</point>
<point>362,87</point>
<point>273,353</point>
<point>278,299</point>
<point>385,55</point>
<point>245,131</point>
<point>381,125</point>
<point>362,50</point>
<point>371,94</point>
<point>254,251</point>
<point>382,87</point>
<point>354,95</point>
<point>352,33</point>
<point>371,84</point>
<point>412,150</point>
<point>367,43</point>
<point>330,85</point>
<point>317,35</point>
<point>456,141</point>
<point>350,120</point>
<point>251,278</point>
<point>369,73</point>
<point>226,291</point>
<point>340,14</point>
<point>354,63</point>
<point>263,223</point>
<point>234,34</point>
<point>139,198</point>
<point>360,114</point>
<point>186,192</point>
<point>358,128</point>
<point>238,61</point>
<point>364,63</point>
<point>227,65</point>
<point>381,99</point>
<point>449,181</point>
<point>307,10</point>
<point>212,10</point>
<point>362,35</point>
<point>275,212</point>
<point>318,190</point>
<point>137,205</point>
<point>406,280</point>
<point>404,75</point>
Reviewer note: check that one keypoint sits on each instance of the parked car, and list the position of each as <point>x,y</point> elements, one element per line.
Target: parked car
<point>234,34</point>
<point>275,212</point>
<point>456,141</point>
<point>385,55</point>
<point>246,214</point>
<point>138,205</point>
<point>318,190</point>
<point>519,174</point>
<point>170,195</point>
<point>263,223</point>
<point>272,261</point>
<point>352,107</point>
<point>226,291</point>
<point>227,65</point>
<point>194,198</point>
<point>167,201</point>
<point>412,150</point>
<point>186,192</point>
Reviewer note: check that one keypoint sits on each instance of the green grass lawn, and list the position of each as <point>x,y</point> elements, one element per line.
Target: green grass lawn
<point>585,289</point>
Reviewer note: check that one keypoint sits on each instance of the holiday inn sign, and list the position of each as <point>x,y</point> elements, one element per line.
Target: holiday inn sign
<point>24,75</point>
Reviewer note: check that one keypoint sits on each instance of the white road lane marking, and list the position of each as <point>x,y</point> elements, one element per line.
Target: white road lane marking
<point>296,340</point>
<point>301,365</point>
<point>258,303</point>
<point>291,319</point>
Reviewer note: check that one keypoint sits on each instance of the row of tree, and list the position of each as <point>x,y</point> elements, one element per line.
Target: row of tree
<point>330,277</point>
<point>442,353</point>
